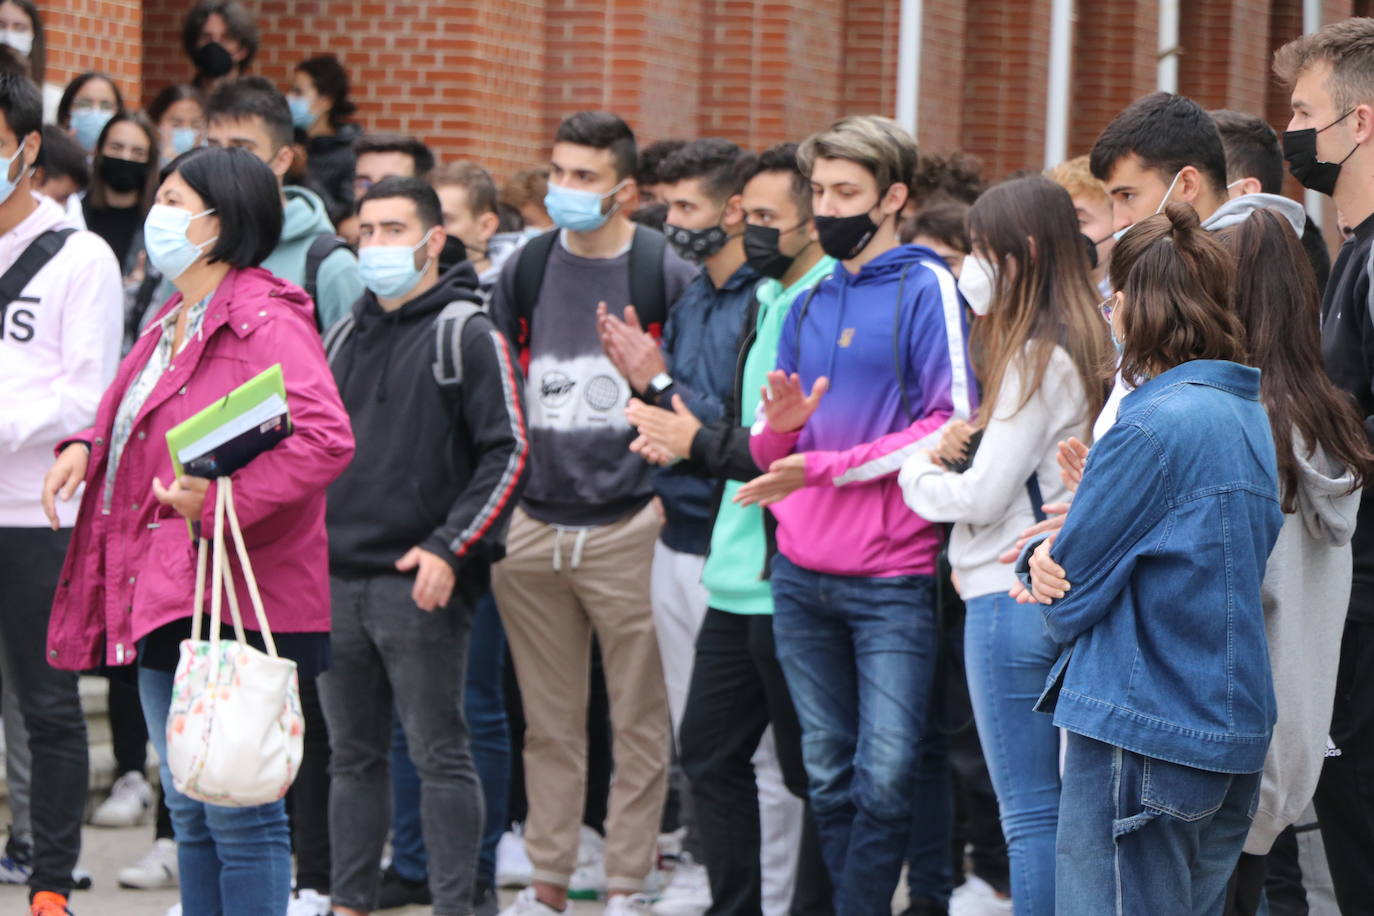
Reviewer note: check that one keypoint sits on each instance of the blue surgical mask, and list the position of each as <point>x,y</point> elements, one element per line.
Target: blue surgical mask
<point>87,123</point>
<point>164,238</point>
<point>301,115</point>
<point>389,270</point>
<point>1120,232</point>
<point>577,210</point>
<point>7,184</point>
<point>184,139</point>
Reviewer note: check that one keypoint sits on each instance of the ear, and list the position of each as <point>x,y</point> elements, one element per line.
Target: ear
<point>627,195</point>
<point>487,224</point>
<point>1363,119</point>
<point>32,146</point>
<point>1246,186</point>
<point>895,198</point>
<point>734,212</point>
<point>437,238</point>
<point>280,162</point>
<point>1189,186</point>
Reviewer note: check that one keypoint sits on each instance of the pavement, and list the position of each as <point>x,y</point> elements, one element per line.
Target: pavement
<point>105,852</point>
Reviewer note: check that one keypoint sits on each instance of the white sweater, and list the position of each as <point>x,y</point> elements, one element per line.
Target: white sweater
<point>989,501</point>
<point>59,348</point>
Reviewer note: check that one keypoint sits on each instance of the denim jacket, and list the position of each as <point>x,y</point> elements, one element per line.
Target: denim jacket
<point>1165,548</point>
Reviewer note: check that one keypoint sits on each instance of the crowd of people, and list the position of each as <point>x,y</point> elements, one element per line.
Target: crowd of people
<point>697,529</point>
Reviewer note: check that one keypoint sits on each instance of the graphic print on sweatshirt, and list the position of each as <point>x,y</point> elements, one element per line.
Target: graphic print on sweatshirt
<point>19,319</point>
<point>582,393</point>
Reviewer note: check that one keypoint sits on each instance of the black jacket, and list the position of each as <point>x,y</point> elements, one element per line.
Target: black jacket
<point>441,470</point>
<point>1348,351</point>
<point>330,163</point>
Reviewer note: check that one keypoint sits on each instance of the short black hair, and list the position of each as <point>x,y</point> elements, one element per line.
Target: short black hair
<point>170,96</point>
<point>1252,149</point>
<point>510,218</point>
<point>397,143</point>
<point>602,130</point>
<point>654,216</point>
<point>426,200</point>
<point>21,103</point>
<point>652,157</point>
<point>712,160</point>
<point>242,26</point>
<point>1168,132</point>
<point>945,219</point>
<point>253,97</point>
<point>244,194</point>
<point>64,107</point>
<point>779,158</point>
<point>956,176</point>
<point>331,81</point>
<point>11,61</point>
<point>63,157</point>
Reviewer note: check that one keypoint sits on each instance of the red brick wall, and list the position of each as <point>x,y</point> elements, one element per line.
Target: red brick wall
<point>939,104</point>
<point>1114,63</point>
<point>1226,53</point>
<point>95,35</point>
<point>1006,60</point>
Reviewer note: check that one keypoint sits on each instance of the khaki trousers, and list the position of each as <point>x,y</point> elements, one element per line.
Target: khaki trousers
<point>555,588</point>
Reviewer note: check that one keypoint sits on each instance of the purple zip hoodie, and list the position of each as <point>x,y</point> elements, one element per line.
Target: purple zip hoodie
<point>872,342</point>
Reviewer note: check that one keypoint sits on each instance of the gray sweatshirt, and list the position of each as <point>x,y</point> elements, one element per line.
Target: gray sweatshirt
<point>989,501</point>
<point>1306,591</point>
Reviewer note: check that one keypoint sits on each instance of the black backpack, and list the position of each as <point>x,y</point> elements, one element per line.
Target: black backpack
<point>648,293</point>
<point>30,261</point>
<point>321,247</point>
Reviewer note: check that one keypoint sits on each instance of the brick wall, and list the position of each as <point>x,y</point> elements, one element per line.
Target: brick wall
<point>100,35</point>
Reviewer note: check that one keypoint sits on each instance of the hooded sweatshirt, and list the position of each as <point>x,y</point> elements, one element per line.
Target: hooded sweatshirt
<point>1238,210</point>
<point>337,284</point>
<point>331,163</point>
<point>432,469</point>
<point>59,347</point>
<point>1305,594</point>
<point>849,518</point>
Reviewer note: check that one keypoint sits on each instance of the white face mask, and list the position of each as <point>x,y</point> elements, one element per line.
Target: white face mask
<point>977,280</point>
<point>19,41</point>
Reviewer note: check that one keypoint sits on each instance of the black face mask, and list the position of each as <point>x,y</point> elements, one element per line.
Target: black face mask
<point>453,252</point>
<point>762,253</point>
<point>123,175</point>
<point>1300,149</point>
<point>214,60</point>
<point>696,244</point>
<point>845,237</point>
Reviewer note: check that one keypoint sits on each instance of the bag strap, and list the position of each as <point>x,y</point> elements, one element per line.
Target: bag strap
<point>38,253</point>
<point>335,337</point>
<point>1036,498</point>
<point>448,342</point>
<point>321,247</point>
<point>202,556</point>
<point>227,485</point>
<point>648,291</point>
<point>533,259</point>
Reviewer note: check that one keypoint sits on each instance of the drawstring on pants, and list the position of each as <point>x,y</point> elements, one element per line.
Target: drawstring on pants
<point>578,544</point>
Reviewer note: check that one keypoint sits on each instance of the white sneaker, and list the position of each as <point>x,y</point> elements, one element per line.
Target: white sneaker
<point>175,910</point>
<point>627,905</point>
<point>129,804</point>
<point>975,897</point>
<point>513,867</point>
<point>308,903</point>
<point>527,904</point>
<point>689,891</point>
<point>157,868</point>
<point>588,881</point>
<point>12,871</point>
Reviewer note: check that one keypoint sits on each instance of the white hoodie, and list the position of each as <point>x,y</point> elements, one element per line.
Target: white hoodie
<point>59,348</point>
<point>1306,592</point>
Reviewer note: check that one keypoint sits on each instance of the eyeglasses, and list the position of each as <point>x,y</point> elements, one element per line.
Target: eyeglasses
<point>1106,306</point>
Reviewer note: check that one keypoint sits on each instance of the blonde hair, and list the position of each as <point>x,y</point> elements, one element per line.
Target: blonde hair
<point>1075,176</point>
<point>878,144</point>
<point>1348,46</point>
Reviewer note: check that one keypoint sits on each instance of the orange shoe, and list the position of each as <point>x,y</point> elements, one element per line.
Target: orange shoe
<point>47,903</point>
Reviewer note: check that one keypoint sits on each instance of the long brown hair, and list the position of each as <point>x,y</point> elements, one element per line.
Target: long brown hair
<point>1277,302</point>
<point>1177,282</point>
<point>1043,296</point>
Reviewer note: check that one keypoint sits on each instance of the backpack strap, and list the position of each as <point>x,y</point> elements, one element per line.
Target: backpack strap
<point>648,286</point>
<point>1037,499</point>
<point>336,336</point>
<point>30,261</point>
<point>321,247</point>
<point>448,343</point>
<point>529,278</point>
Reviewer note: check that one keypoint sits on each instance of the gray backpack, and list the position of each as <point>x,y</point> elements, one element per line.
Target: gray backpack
<point>448,342</point>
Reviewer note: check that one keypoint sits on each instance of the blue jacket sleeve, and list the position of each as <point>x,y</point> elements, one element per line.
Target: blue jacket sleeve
<point>1124,494</point>
<point>937,349</point>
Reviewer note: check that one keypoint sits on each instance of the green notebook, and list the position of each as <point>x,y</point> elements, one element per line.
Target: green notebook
<point>234,430</point>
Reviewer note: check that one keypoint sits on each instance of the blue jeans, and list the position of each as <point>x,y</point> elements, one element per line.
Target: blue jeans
<point>859,656</point>
<point>1008,655</point>
<point>233,861</point>
<point>485,705</point>
<point>929,869</point>
<point>1140,836</point>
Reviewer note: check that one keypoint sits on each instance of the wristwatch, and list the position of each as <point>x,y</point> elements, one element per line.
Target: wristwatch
<point>659,384</point>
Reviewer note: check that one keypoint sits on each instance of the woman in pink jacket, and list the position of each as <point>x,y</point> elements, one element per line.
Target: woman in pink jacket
<point>126,590</point>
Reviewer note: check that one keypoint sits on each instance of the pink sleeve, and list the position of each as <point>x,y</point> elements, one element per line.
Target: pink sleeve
<point>870,461</point>
<point>84,436</point>
<point>320,445</point>
<point>768,446</point>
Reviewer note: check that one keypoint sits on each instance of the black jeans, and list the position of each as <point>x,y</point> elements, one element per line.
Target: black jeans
<point>1345,794</point>
<point>30,563</point>
<point>737,690</point>
<point>308,801</point>
<point>388,650</point>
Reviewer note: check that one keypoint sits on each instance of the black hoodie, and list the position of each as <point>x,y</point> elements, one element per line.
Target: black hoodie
<point>435,469</point>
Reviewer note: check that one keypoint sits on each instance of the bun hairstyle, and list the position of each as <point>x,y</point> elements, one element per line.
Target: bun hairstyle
<point>1177,282</point>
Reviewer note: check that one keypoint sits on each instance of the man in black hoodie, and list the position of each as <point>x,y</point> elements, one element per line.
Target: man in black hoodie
<point>414,524</point>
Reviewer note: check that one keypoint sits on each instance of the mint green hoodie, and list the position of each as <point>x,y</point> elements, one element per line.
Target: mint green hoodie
<point>734,574</point>
<point>337,284</point>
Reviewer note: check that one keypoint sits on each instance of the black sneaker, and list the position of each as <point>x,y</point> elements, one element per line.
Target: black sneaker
<point>484,901</point>
<point>397,892</point>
